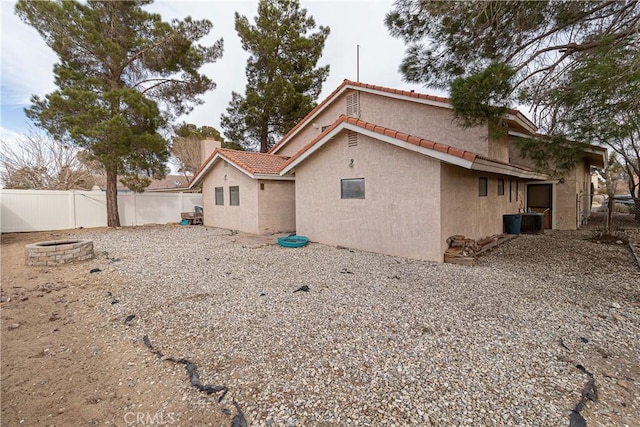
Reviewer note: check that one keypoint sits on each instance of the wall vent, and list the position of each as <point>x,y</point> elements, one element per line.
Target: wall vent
<point>353,107</point>
<point>352,139</point>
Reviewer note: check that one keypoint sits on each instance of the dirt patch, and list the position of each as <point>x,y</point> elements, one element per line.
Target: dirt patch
<point>66,359</point>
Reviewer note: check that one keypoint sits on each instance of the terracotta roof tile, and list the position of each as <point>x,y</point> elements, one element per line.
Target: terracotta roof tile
<point>255,163</point>
<point>388,132</point>
<point>252,162</point>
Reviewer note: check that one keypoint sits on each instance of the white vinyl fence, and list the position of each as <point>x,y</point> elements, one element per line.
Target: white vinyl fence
<point>43,210</point>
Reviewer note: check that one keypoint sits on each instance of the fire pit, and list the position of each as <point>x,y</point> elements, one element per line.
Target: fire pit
<point>57,252</point>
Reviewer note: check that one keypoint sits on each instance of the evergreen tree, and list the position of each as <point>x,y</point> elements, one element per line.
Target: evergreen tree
<point>283,80</point>
<point>118,65</point>
<point>575,62</point>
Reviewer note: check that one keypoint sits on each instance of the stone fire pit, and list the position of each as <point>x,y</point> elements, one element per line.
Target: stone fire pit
<point>57,252</point>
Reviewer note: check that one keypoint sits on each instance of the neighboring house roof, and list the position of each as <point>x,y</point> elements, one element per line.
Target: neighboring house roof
<point>442,152</point>
<point>437,101</point>
<point>168,183</point>
<point>255,165</point>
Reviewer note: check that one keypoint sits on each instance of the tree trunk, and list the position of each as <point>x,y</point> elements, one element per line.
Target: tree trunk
<point>113,218</point>
<point>264,138</point>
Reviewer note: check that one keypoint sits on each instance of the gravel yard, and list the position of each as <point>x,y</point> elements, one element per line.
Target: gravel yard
<point>381,340</point>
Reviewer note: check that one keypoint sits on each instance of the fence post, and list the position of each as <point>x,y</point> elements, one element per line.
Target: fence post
<point>72,209</point>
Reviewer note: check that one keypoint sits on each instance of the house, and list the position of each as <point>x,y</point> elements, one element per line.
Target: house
<point>390,171</point>
<point>244,191</point>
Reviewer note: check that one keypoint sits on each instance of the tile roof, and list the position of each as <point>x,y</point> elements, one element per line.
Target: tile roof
<point>420,142</point>
<point>328,99</point>
<point>251,162</point>
<point>414,140</point>
<point>254,163</point>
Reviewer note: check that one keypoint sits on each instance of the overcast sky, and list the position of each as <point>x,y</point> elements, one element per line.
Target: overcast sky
<point>27,63</point>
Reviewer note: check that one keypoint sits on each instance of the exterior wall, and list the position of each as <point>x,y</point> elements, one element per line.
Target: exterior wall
<point>433,123</point>
<point>276,200</point>
<point>426,121</point>
<point>572,202</point>
<point>304,136</point>
<point>243,217</point>
<point>464,212</point>
<point>400,214</point>
<point>498,145</point>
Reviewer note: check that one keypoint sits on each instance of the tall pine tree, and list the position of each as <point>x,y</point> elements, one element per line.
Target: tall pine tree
<point>122,74</point>
<point>283,79</point>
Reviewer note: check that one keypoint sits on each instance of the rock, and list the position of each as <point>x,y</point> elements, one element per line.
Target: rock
<point>615,305</point>
<point>13,326</point>
<point>623,384</point>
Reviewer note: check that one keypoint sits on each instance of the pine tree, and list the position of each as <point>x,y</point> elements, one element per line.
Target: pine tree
<point>576,63</point>
<point>283,80</point>
<point>118,65</point>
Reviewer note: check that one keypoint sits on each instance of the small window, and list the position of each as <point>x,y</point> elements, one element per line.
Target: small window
<point>219,196</point>
<point>483,187</point>
<point>352,188</point>
<point>517,189</point>
<point>501,187</point>
<point>234,196</point>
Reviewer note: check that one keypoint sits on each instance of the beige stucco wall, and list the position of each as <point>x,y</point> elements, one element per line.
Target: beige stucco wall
<point>314,127</point>
<point>400,214</point>
<point>573,200</point>
<point>277,206</point>
<point>243,217</point>
<point>425,121</point>
<point>433,123</point>
<point>464,212</point>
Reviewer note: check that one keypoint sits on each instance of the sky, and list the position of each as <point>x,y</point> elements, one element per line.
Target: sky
<point>27,62</point>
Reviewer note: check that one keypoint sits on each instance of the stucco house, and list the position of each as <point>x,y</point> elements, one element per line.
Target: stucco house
<point>390,171</point>
<point>244,191</point>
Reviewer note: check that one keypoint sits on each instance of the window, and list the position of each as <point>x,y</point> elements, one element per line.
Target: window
<point>219,196</point>
<point>517,189</point>
<point>353,109</point>
<point>483,187</point>
<point>234,196</point>
<point>501,187</point>
<point>352,188</point>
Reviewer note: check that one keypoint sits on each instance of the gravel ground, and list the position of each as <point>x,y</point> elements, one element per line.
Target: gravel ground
<point>381,340</point>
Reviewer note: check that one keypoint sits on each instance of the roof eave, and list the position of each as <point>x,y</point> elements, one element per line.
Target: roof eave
<point>484,165</point>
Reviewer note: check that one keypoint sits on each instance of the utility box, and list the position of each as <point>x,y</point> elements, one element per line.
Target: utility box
<point>532,223</point>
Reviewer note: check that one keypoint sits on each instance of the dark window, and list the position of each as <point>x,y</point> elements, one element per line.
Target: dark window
<point>483,187</point>
<point>219,196</point>
<point>234,196</point>
<point>501,187</point>
<point>352,188</point>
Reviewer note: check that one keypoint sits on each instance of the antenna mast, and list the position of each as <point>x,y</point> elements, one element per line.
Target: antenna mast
<point>358,63</point>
